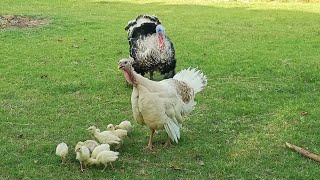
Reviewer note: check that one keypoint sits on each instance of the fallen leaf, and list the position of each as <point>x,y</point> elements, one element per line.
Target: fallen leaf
<point>23,148</point>
<point>142,172</point>
<point>201,163</point>
<point>77,92</point>
<point>304,113</point>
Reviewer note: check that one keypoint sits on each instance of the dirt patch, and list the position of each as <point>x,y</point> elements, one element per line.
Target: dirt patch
<point>16,21</point>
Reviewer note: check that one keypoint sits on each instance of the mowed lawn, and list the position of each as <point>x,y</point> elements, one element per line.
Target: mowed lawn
<point>263,66</point>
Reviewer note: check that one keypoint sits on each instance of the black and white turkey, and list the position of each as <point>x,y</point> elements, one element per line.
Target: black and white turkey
<point>150,48</point>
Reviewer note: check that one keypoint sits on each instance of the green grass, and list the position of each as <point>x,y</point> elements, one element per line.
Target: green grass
<point>261,59</point>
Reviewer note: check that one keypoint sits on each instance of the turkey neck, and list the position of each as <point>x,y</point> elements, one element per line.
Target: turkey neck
<point>129,75</point>
<point>134,78</point>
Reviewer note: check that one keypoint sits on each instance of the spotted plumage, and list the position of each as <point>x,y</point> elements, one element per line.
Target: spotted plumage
<point>184,91</point>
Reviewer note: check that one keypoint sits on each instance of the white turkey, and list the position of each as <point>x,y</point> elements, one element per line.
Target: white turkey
<point>162,104</point>
<point>150,48</point>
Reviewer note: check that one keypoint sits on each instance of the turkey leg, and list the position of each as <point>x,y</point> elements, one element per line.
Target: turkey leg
<point>168,144</point>
<point>150,146</point>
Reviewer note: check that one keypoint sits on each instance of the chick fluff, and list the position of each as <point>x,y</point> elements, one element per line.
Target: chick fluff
<point>90,144</point>
<point>121,133</point>
<point>125,125</point>
<point>62,151</point>
<point>106,157</point>
<point>104,137</point>
<point>83,154</point>
<point>100,148</point>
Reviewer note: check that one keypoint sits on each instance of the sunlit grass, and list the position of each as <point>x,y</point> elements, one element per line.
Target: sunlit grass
<point>261,59</point>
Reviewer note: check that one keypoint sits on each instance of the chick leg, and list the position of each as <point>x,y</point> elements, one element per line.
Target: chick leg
<point>111,165</point>
<point>104,167</point>
<point>81,167</point>
<point>150,146</point>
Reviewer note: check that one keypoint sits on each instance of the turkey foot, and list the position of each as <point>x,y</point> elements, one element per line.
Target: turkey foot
<point>150,147</point>
<point>168,144</point>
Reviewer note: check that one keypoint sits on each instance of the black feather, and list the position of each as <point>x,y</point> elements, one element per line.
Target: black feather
<point>144,30</point>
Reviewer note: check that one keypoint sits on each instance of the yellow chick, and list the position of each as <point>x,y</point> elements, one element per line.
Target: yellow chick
<point>100,148</point>
<point>106,157</point>
<point>90,161</point>
<point>62,151</point>
<point>125,125</point>
<point>90,144</point>
<point>121,133</point>
<point>104,137</point>
<point>83,154</point>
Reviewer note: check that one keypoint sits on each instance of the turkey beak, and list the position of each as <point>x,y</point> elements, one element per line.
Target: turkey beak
<point>120,66</point>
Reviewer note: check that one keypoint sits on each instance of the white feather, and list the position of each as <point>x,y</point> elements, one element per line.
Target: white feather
<point>106,157</point>
<point>193,77</point>
<point>100,148</point>
<point>62,150</point>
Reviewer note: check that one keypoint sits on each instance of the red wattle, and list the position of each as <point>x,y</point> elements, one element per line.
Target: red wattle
<point>161,43</point>
<point>127,76</point>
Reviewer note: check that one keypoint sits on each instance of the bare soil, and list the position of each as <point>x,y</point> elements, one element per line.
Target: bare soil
<point>17,21</point>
